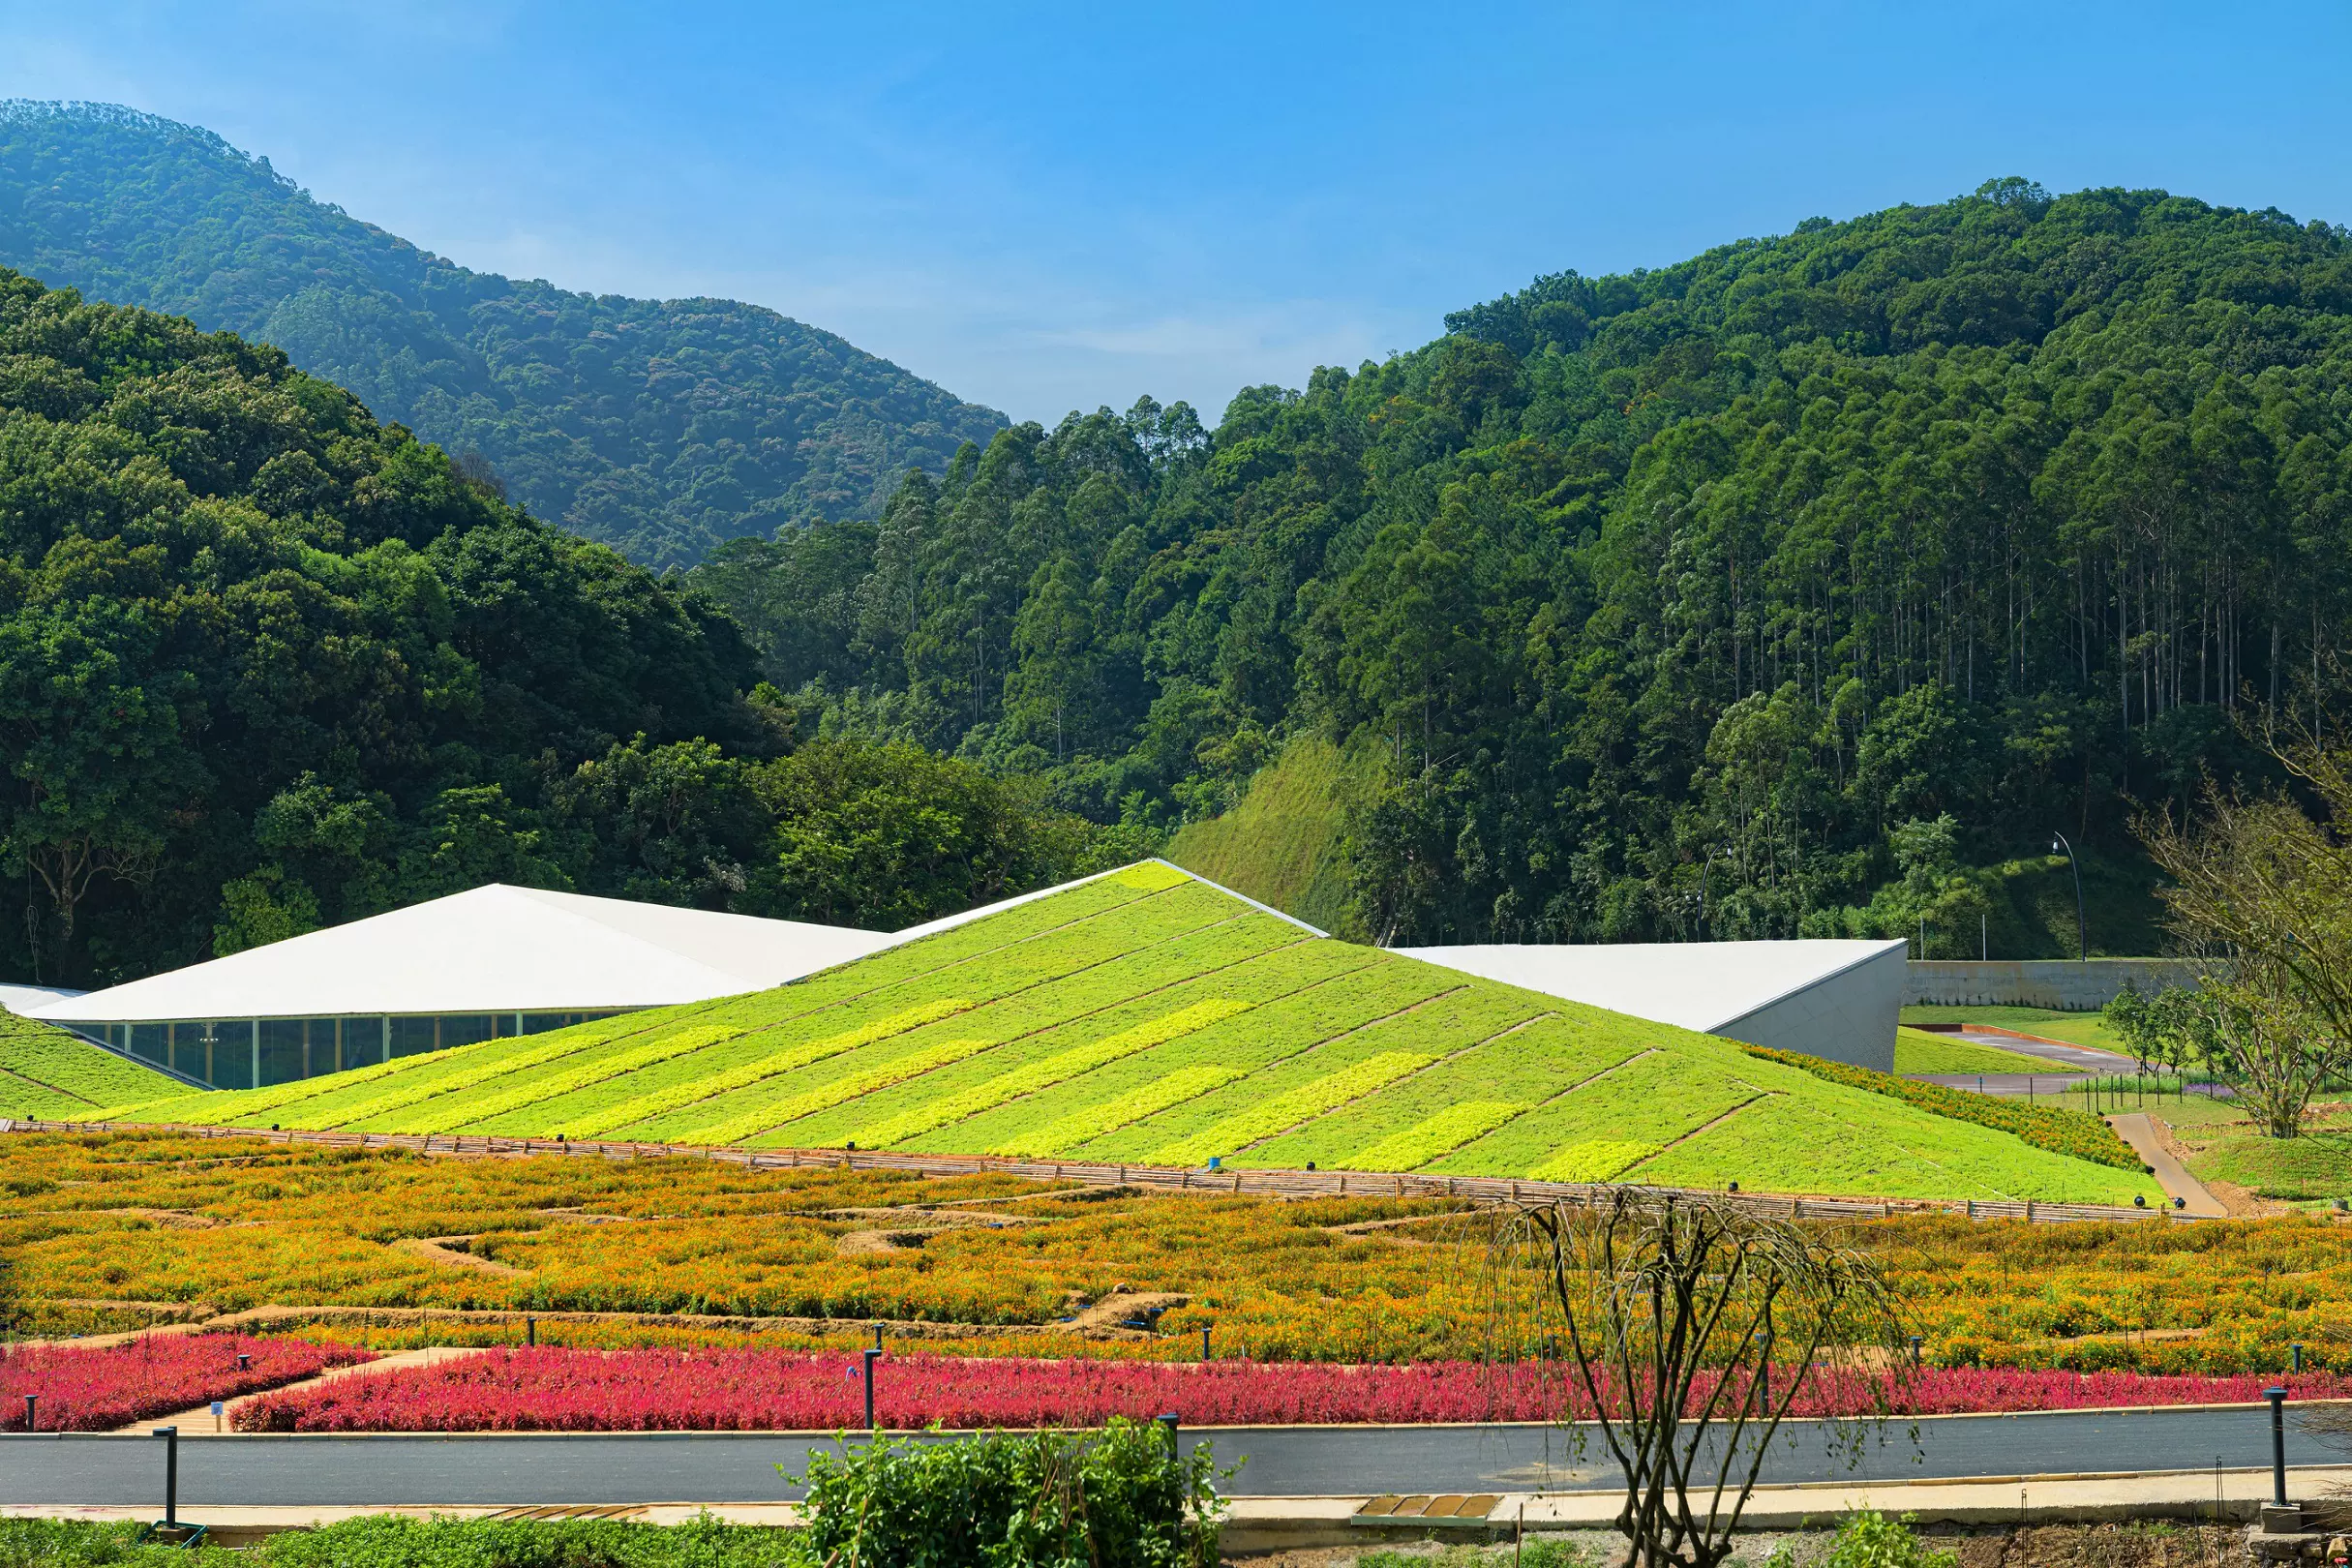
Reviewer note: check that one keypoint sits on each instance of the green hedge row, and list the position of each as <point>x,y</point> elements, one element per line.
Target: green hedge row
<point>2077,1134</point>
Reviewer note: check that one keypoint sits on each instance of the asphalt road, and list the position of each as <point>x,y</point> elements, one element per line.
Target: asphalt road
<point>1283,1461</point>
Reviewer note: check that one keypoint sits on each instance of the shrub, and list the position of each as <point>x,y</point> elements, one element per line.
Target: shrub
<point>1870,1539</point>
<point>1120,1498</point>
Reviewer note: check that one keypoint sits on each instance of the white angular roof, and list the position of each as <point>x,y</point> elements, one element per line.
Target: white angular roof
<point>21,1000</point>
<point>1702,985</point>
<point>496,948</point>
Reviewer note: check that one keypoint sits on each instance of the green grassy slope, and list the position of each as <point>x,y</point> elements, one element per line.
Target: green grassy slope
<point>2090,1029</point>
<point>1151,1017</point>
<point>1918,1051</point>
<point>48,1074</point>
<point>1280,843</point>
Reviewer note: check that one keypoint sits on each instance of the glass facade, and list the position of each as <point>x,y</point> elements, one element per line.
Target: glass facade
<point>252,1053</point>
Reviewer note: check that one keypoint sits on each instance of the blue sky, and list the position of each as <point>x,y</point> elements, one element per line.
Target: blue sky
<point>1060,206</point>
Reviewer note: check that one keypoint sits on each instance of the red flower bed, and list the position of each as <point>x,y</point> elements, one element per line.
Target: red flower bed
<point>561,1390</point>
<point>95,1390</point>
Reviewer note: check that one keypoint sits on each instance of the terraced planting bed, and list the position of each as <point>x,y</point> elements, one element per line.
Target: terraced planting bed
<point>1147,1017</point>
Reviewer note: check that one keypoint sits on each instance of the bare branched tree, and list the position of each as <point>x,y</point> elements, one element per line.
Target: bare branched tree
<point>1691,1326</point>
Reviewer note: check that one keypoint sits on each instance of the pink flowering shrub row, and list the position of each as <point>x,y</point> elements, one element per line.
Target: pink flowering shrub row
<point>724,1390</point>
<point>83,1389</point>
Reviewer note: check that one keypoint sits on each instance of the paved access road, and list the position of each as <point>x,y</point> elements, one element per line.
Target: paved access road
<point>1283,1461</point>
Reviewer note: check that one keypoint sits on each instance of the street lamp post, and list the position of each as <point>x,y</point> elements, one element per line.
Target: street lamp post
<point>2082,931</point>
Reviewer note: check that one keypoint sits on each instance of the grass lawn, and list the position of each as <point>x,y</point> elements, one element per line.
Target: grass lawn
<point>2074,1028</point>
<point>2222,1145</point>
<point>1918,1051</point>
<point>1151,1018</point>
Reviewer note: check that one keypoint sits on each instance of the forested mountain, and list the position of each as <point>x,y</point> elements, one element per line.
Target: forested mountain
<point>1807,586</point>
<point>659,426</point>
<point>266,663</point>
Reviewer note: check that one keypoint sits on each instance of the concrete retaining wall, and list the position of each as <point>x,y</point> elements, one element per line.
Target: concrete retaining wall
<point>2036,983</point>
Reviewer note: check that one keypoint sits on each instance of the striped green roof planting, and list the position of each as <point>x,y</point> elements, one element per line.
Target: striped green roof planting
<point>1150,1018</point>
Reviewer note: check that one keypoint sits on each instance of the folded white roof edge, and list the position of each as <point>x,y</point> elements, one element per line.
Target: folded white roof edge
<point>1520,964</point>
<point>1884,948</point>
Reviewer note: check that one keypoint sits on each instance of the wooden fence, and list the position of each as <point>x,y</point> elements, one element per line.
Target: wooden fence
<point>1280,1184</point>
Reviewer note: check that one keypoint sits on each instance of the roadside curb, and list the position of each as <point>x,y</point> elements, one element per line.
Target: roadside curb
<point>1259,1525</point>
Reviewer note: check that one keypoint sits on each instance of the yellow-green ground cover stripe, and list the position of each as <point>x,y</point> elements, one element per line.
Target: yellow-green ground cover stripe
<point>1246,963</point>
<point>641,1105</point>
<point>1171,1088</point>
<point>1645,1103</point>
<point>1110,960</point>
<point>1398,1129</point>
<point>1316,1008</point>
<point>1044,1072</point>
<point>513,1090</point>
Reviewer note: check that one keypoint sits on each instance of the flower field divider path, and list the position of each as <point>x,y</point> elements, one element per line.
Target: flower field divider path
<point>1280,1184</point>
<point>192,1419</point>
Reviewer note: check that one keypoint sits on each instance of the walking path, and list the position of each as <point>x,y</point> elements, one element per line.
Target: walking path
<point>2135,1128</point>
<point>529,1469</point>
<point>2065,1054</point>
<point>192,1422</point>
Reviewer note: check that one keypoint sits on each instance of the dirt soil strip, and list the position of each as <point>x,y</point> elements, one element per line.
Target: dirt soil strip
<point>1282,1184</point>
<point>194,1420</point>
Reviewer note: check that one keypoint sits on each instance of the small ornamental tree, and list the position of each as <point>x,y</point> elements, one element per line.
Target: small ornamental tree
<point>2261,900</point>
<point>1689,1326</point>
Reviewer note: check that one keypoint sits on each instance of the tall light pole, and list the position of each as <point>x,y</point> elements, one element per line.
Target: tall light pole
<point>2082,932</point>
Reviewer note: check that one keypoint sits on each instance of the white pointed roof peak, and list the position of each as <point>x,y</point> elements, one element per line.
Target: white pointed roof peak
<point>492,949</point>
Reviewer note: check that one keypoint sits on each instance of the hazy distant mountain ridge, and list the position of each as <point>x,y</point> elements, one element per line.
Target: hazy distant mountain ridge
<point>662,427</point>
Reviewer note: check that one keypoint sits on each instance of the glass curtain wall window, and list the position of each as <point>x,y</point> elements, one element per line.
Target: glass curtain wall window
<point>250,1053</point>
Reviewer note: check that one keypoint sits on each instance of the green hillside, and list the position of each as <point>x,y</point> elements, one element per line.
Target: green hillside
<point>1150,1018</point>
<point>47,1074</point>
<point>661,427</point>
<point>1797,587</point>
<point>1282,842</point>
<point>267,665</point>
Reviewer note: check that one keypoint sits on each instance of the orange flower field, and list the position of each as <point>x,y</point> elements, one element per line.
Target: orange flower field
<point>116,1230</point>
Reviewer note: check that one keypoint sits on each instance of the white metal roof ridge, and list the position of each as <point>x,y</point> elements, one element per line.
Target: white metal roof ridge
<point>1671,982</point>
<point>493,949</point>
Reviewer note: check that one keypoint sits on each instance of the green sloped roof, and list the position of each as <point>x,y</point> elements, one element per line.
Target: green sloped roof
<point>1150,1018</point>
<point>49,1075</point>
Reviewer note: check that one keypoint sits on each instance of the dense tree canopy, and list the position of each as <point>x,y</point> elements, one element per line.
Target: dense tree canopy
<point>658,427</point>
<point>266,663</point>
<point>1803,586</point>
